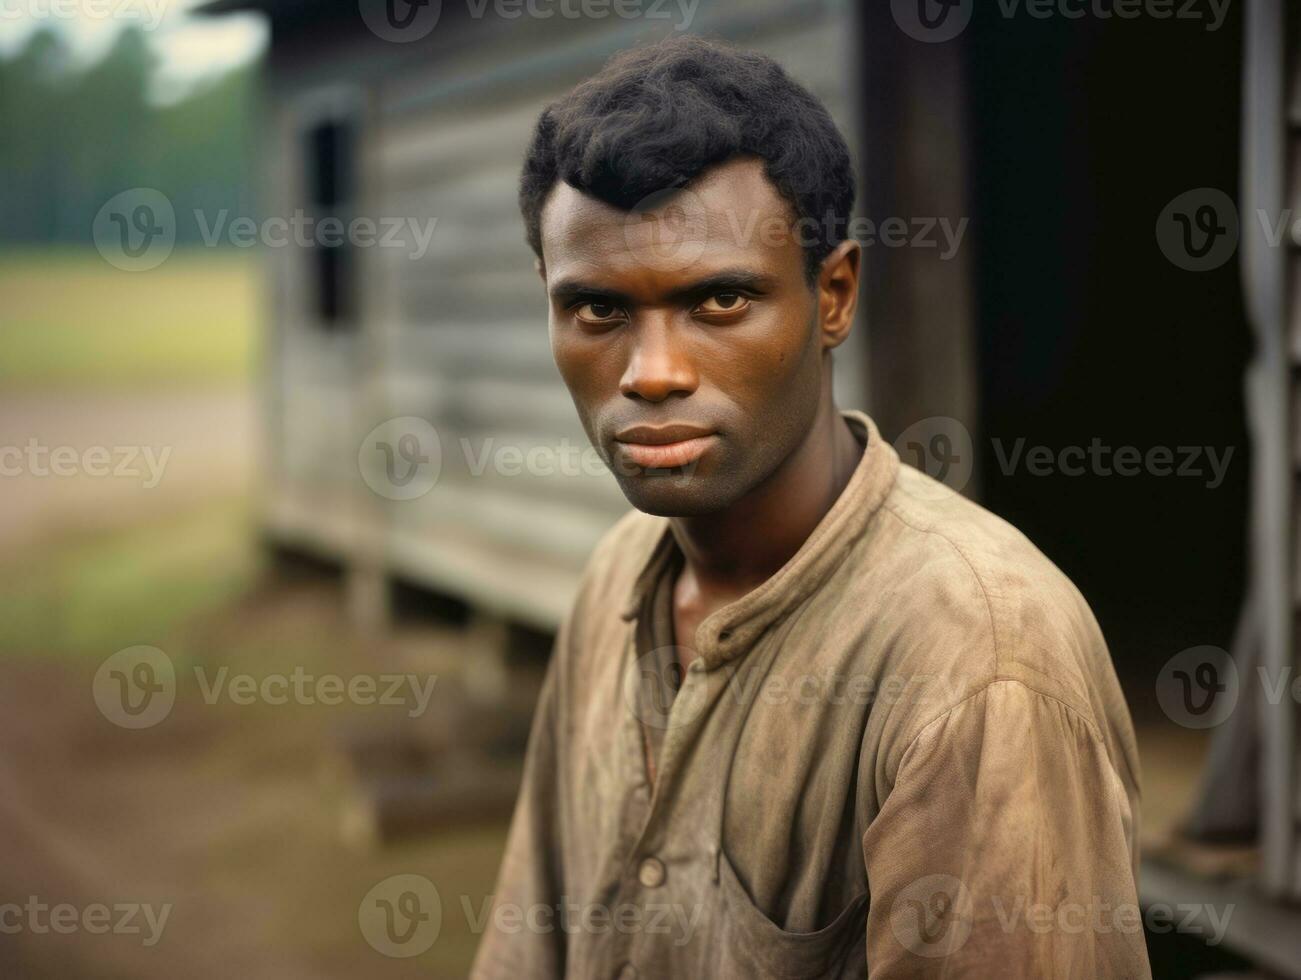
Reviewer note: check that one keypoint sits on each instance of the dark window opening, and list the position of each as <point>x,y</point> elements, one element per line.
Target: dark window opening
<point>331,184</point>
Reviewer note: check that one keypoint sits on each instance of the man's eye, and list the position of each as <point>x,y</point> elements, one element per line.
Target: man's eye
<point>596,311</point>
<point>724,303</point>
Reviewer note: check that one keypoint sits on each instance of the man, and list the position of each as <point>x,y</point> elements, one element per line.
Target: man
<point>812,714</point>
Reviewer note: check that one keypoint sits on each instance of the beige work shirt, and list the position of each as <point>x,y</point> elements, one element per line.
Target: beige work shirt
<point>905,755</point>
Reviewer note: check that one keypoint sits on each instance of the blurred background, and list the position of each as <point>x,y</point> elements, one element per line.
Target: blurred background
<point>292,498</point>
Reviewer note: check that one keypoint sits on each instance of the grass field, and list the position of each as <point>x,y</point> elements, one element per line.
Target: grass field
<point>110,589</point>
<point>68,318</point>
<point>70,324</point>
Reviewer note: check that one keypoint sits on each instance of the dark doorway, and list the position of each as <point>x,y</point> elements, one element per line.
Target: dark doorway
<point>1087,335</point>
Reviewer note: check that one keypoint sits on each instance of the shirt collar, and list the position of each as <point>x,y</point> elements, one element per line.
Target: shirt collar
<point>728,632</point>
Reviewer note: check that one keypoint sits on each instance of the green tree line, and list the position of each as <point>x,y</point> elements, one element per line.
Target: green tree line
<point>71,138</point>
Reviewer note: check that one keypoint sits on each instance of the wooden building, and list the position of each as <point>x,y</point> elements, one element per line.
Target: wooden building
<point>428,124</point>
<point>1059,320</point>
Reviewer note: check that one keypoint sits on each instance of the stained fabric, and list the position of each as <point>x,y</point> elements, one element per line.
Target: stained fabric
<point>905,755</point>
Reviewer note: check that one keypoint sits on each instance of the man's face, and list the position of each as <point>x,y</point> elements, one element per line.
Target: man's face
<point>687,334</point>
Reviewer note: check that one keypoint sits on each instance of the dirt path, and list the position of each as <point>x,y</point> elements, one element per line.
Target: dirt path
<point>230,819</point>
<point>122,457</point>
<point>233,821</point>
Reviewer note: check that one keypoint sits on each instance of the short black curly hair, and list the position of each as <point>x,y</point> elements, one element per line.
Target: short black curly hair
<point>656,117</point>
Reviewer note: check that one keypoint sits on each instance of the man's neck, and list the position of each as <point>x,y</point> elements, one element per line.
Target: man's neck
<point>734,551</point>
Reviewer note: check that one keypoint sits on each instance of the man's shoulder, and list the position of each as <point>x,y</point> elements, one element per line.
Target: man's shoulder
<point>994,609</point>
<point>994,593</point>
<point>996,552</point>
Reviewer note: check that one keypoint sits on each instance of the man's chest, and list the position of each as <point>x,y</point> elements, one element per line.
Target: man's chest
<point>756,766</point>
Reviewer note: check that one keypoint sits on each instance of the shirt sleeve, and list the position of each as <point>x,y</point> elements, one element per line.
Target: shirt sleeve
<point>1004,848</point>
<point>530,875</point>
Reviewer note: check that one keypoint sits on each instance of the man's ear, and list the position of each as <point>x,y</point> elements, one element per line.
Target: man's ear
<point>541,269</point>
<point>838,292</point>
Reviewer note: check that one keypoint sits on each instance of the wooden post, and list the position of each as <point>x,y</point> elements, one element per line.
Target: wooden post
<point>918,303</point>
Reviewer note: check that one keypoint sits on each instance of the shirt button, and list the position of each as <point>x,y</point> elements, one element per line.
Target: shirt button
<point>651,873</point>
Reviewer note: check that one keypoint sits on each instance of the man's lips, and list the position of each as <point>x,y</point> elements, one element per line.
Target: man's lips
<point>664,447</point>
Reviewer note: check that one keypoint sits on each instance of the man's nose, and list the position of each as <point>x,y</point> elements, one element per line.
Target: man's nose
<point>658,365</point>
